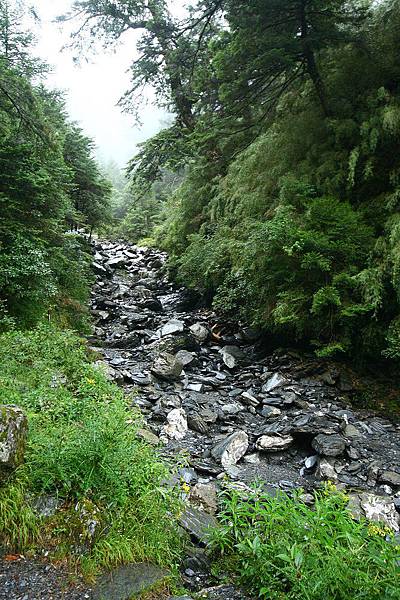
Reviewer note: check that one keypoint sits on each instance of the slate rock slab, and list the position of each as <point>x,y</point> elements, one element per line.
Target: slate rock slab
<point>128,581</point>
<point>173,326</point>
<point>276,381</point>
<point>198,523</point>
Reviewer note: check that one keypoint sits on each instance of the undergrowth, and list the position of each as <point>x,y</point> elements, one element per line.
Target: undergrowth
<point>82,450</point>
<point>279,548</point>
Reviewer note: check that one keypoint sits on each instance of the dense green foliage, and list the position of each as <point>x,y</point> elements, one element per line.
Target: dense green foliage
<point>48,182</point>
<point>82,448</point>
<point>280,548</point>
<point>288,123</point>
<point>144,207</point>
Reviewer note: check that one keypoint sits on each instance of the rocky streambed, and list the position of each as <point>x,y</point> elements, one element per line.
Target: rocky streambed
<point>227,412</point>
<point>209,393</point>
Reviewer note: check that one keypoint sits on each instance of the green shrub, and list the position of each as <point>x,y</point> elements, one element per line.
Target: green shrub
<point>300,273</point>
<point>36,280</point>
<point>24,260</point>
<point>282,549</point>
<point>83,447</point>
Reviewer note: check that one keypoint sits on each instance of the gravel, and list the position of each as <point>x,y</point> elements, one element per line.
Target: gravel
<point>34,580</point>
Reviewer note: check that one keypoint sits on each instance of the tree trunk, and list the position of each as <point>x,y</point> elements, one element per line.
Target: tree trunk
<point>311,64</point>
<point>183,103</point>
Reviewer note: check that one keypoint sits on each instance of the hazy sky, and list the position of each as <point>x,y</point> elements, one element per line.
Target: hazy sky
<point>94,88</point>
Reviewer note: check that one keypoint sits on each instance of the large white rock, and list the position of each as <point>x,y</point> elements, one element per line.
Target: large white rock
<point>176,426</point>
<point>375,508</point>
<point>326,469</point>
<point>232,355</point>
<point>199,331</point>
<point>274,442</point>
<point>231,449</point>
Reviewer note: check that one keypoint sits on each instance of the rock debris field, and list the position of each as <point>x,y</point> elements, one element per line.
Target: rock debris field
<point>216,402</point>
<point>210,393</point>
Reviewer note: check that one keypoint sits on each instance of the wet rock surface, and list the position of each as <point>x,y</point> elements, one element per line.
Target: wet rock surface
<point>128,581</point>
<point>29,580</point>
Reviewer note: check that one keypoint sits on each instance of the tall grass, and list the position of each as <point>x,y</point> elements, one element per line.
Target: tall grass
<point>82,448</point>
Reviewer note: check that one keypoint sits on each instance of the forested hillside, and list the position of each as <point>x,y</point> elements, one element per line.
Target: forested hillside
<point>286,132</point>
<point>49,184</point>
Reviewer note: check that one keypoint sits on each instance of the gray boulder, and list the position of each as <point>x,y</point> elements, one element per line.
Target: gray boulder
<point>329,445</point>
<point>390,477</point>
<point>167,366</point>
<point>205,496</point>
<point>179,341</point>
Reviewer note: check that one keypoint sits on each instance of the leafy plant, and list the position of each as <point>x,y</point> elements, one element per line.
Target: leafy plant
<point>280,548</point>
